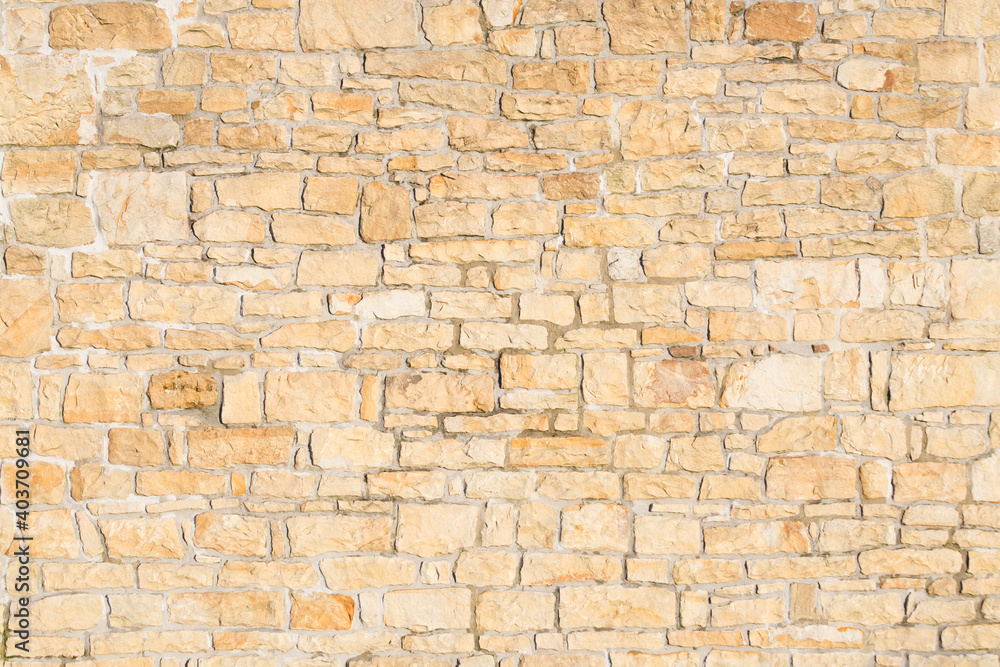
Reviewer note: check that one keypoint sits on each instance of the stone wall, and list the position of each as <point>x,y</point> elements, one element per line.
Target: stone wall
<point>521,333</point>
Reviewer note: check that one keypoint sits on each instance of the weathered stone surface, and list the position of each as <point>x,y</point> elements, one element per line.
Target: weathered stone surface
<point>645,26</point>
<point>25,317</point>
<point>385,213</point>
<point>331,25</point>
<point>315,396</point>
<point>135,208</point>
<point>780,21</point>
<point>783,382</point>
<point>651,128</point>
<point>216,448</point>
<point>109,25</point>
<point>49,100</point>
<point>51,221</point>
<point>943,380</point>
<point>432,333</point>
<point>811,477</point>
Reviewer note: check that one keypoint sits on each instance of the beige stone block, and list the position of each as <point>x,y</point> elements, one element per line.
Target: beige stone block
<point>219,448</point>
<point>651,128</point>
<point>314,535</point>
<point>577,452</point>
<point>440,392</point>
<point>331,25</point>
<point>243,608</point>
<point>800,434</point>
<point>945,482</point>
<point>939,380</point>
<point>788,383</point>
<point>115,25</point>
<point>435,530</point>
<point>425,610</point>
<point>316,396</point>
<point>515,611</point>
<point>595,527</point>
<point>142,538</point>
<point>609,606</point>
<point>231,534</point>
<point>322,611</point>
<point>811,477</point>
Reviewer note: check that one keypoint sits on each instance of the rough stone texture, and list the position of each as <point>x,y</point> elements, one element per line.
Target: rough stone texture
<point>503,333</point>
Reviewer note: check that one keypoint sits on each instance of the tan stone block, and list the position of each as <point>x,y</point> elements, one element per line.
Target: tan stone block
<point>788,383</point>
<point>757,538</point>
<point>440,392</point>
<point>529,371</point>
<point>322,611</point>
<point>313,535</point>
<point>243,608</point>
<point>182,390</point>
<point>780,21</point>
<point>39,172</point>
<point>515,611</point>
<point>646,303</point>
<point>918,195</point>
<point>356,448</point>
<point>54,104</point>
<point>319,139</point>
<point>142,538</point>
<point>450,219</point>
<point>179,482</point>
<point>262,32</point>
<point>645,27</point>
<point>743,135</point>
<point>562,76</point>
<point>910,112</point>
<point>626,232</point>
<point>874,435</point>
<point>811,477</point>
<point>16,389</point>
<point>115,25</point>
<point>424,610</point>
<point>945,482</point>
<point>480,186</point>
<point>971,18</point>
<point>93,480</point>
<point>574,452</point>
<point>800,434</point>
<point>651,128</point>
<point>611,606</point>
<point>626,77</point>
<point>968,149</point>
<point>219,448</point>
<point>264,190</point>
<point>871,609</point>
<point>725,325</point>
<point>582,135</point>
<point>434,530</point>
<point>804,98</point>
<point>353,572</point>
<point>980,195</point>
<point>697,454</point>
<point>66,613</point>
<point>155,206</point>
<point>231,534</point>
<point>659,535</point>
<point>805,284</point>
<point>473,99</point>
<point>595,527</point>
<point>331,25</point>
<point>940,380</point>
<point>52,221</point>
<point>408,336</point>
<point>336,268</point>
<point>314,396</point>
<point>92,397</point>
